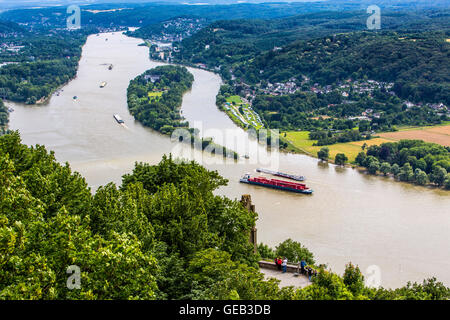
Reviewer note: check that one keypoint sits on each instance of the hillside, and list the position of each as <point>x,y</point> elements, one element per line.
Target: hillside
<point>418,64</point>
<point>224,43</point>
<point>174,29</point>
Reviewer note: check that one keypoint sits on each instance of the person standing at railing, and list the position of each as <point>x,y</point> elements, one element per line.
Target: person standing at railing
<point>302,266</point>
<point>284,264</point>
<point>278,262</point>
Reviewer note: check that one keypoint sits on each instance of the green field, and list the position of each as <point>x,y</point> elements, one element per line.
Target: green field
<point>300,141</point>
<point>155,95</point>
<point>234,99</point>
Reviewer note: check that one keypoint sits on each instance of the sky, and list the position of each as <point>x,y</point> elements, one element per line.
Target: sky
<point>7,4</point>
<point>20,3</point>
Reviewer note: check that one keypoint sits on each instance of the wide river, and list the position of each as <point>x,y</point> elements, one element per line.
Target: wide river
<point>401,229</point>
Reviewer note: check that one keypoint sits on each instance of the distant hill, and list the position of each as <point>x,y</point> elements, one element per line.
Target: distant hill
<point>173,29</point>
<point>7,28</point>
<point>418,63</point>
<point>232,41</point>
<point>139,13</point>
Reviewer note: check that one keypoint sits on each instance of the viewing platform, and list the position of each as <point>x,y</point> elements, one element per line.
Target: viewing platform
<point>289,278</point>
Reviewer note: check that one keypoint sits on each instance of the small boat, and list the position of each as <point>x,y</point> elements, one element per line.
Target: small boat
<point>276,184</point>
<point>103,84</point>
<point>281,174</point>
<point>110,67</point>
<point>118,118</point>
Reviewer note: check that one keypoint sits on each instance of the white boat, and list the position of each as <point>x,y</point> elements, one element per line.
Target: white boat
<point>118,118</point>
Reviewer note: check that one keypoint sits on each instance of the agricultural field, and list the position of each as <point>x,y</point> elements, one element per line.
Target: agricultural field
<point>435,134</point>
<point>300,140</point>
<point>242,113</point>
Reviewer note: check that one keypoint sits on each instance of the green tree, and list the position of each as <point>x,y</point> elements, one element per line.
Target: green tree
<point>438,175</point>
<point>340,159</point>
<point>294,252</point>
<point>406,173</point>
<point>385,168</point>
<point>326,286</point>
<point>216,276</point>
<point>447,182</point>
<point>373,167</point>
<point>395,169</point>
<point>265,251</point>
<point>361,158</point>
<point>420,177</point>
<point>323,154</point>
<point>353,279</point>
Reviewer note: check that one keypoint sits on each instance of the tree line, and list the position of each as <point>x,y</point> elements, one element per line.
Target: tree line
<point>413,161</point>
<point>47,60</point>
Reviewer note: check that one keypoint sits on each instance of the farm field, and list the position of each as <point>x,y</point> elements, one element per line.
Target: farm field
<point>300,140</point>
<point>437,134</point>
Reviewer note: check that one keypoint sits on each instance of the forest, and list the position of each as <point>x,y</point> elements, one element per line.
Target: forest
<point>156,101</point>
<point>162,234</point>
<point>234,42</point>
<point>39,62</point>
<point>144,14</point>
<point>412,161</point>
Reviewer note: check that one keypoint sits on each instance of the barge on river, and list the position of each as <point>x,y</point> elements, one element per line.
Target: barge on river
<point>277,184</point>
<point>118,119</point>
<point>281,174</point>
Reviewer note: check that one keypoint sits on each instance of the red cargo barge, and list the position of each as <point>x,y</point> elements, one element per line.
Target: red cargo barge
<point>277,184</point>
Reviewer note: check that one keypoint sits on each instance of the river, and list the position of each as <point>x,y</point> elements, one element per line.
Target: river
<point>401,229</point>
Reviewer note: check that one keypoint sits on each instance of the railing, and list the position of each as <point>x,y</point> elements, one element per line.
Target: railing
<point>292,268</point>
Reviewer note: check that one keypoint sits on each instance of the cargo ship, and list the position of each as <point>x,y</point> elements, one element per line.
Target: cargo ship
<point>281,174</point>
<point>277,184</point>
<point>118,118</point>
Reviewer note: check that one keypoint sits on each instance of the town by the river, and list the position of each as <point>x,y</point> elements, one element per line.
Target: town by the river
<point>400,228</point>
